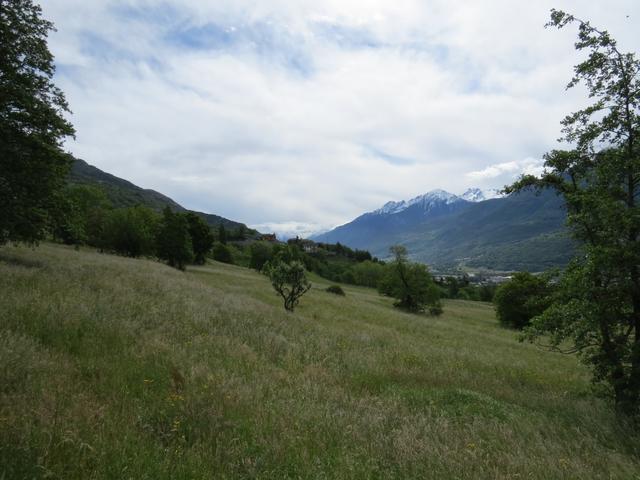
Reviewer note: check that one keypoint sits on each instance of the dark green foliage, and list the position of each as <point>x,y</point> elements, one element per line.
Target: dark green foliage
<point>131,231</point>
<point>174,244</point>
<point>520,299</point>
<point>368,273</point>
<point>461,288</point>
<point>486,293</point>
<point>597,307</point>
<point>336,262</point>
<point>222,234</point>
<point>410,283</point>
<point>260,253</point>
<point>238,234</point>
<point>201,237</point>
<point>81,215</point>
<point>32,126</point>
<point>335,289</point>
<point>288,279</point>
<point>288,253</point>
<point>222,253</point>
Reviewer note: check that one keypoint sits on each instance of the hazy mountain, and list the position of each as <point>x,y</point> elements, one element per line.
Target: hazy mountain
<point>123,193</point>
<point>519,232</point>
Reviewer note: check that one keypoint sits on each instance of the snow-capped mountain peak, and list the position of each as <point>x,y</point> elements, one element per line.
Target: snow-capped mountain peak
<point>478,195</point>
<point>427,201</point>
<point>392,207</point>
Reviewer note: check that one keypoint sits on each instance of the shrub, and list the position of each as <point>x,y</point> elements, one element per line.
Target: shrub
<point>335,289</point>
<point>222,253</point>
<point>519,300</point>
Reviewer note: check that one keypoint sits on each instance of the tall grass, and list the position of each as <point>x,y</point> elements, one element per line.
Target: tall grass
<point>119,368</point>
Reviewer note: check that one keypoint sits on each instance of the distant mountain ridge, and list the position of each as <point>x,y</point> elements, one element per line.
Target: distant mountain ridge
<point>123,193</point>
<point>426,202</point>
<point>524,231</point>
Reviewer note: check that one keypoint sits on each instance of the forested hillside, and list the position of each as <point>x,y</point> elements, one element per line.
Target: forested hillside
<point>123,193</point>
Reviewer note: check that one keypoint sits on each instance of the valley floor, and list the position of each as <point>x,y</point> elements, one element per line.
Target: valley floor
<point>120,368</point>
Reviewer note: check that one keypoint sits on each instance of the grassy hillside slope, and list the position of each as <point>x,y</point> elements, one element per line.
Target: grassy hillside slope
<point>120,368</point>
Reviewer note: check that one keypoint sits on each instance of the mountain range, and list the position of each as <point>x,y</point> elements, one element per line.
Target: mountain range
<point>123,193</point>
<point>478,229</point>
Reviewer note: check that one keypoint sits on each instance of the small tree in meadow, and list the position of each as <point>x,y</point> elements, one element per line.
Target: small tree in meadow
<point>288,279</point>
<point>174,242</point>
<point>201,237</point>
<point>410,283</point>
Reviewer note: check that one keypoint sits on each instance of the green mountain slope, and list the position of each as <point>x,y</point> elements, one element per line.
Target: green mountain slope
<point>118,368</point>
<point>123,193</point>
<point>520,232</point>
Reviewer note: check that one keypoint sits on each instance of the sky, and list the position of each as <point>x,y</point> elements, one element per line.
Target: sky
<point>297,116</point>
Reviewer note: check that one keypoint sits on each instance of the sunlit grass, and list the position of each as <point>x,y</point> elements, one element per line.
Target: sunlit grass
<point>119,368</point>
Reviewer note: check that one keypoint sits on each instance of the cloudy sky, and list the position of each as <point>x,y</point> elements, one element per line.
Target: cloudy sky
<point>298,115</point>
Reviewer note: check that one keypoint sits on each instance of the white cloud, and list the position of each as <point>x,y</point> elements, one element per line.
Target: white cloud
<point>528,166</point>
<point>307,113</point>
<point>286,230</point>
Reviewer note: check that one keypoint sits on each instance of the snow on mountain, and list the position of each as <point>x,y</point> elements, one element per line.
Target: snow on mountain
<point>478,195</point>
<point>390,208</point>
<point>426,201</point>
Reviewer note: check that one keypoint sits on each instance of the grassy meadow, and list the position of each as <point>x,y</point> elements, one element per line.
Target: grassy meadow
<point>128,369</point>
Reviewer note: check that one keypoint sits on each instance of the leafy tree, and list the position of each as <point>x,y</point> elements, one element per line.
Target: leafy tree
<point>222,234</point>
<point>260,253</point>
<point>368,273</point>
<point>131,231</point>
<point>201,237</point>
<point>288,253</point>
<point>520,299</point>
<point>80,215</point>
<point>222,253</point>
<point>597,308</point>
<point>288,279</point>
<point>410,283</point>
<point>32,125</point>
<point>173,239</point>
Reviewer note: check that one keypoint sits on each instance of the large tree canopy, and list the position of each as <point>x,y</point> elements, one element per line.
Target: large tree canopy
<point>597,305</point>
<point>32,124</point>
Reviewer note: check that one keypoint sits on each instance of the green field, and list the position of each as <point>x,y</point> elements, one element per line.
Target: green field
<point>128,369</point>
